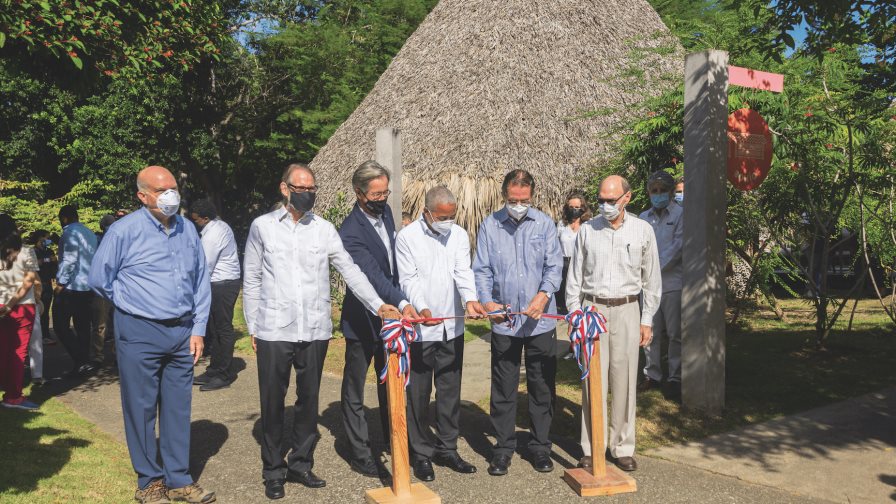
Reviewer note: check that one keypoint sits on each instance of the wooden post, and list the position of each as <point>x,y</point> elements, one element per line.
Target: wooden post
<point>388,154</point>
<point>402,491</point>
<point>703,268</point>
<point>603,479</point>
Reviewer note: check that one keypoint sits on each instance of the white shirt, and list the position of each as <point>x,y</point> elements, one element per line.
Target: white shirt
<point>667,227</point>
<point>11,279</point>
<point>286,286</point>
<point>435,273</point>
<point>380,227</point>
<point>220,251</point>
<point>567,238</point>
<point>613,263</point>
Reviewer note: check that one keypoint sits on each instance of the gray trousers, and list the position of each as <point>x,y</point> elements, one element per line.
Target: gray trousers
<point>667,320</point>
<point>619,373</point>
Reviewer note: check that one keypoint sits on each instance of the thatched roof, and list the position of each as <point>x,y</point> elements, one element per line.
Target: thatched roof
<point>485,86</point>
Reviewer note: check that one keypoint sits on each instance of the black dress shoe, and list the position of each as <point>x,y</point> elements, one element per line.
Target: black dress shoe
<point>273,489</point>
<point>627,464</point>
<point>366,466</point>
<point>423,470</point>
<point>542,462</point>
<point>648,384</point>
<point>499,465</point>
<point>307,478</point>
<point>215,383</point>
<point>454,462</point>
<point>201,379</point>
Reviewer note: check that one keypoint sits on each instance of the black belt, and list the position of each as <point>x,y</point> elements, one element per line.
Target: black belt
<point>171,322</point>
<point>612,301</point>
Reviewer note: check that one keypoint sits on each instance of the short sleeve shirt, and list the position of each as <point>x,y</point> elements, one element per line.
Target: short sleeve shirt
<point>11,279</point>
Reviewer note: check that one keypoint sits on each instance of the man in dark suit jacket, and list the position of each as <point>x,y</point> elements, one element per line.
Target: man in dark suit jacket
<point>368,234</point>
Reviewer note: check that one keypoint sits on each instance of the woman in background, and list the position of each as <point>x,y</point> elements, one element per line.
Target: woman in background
<point>575,212</point>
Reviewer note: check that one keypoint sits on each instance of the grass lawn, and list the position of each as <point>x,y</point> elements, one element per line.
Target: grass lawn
<point>54,455</point>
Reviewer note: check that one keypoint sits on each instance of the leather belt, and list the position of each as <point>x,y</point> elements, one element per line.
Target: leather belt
<point>612,301</point>
<point>172,322</point>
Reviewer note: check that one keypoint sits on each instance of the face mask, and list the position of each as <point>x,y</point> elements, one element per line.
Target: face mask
<point>47,243</point>
<point>659,201</point>
<point>169,202</point>
<point>610,212</point>
<point>517,211</point>
<point>679,197</point>
<point>303,201</point>
<point>574,213</point>
<point>376,207</point>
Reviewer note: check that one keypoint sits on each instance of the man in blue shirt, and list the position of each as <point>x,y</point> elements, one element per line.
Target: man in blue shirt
<point>73,297</point>
<point>152,267</point>
<point>519,263</point>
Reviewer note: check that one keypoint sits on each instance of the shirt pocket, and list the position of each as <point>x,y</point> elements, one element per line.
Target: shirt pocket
<point>534,253</point>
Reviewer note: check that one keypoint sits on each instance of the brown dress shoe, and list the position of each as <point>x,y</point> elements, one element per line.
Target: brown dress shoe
<point>585,462</point>
<point>154,493</point>
<point>648,384</point>
<point>627,464</point>
<point>191,493</point>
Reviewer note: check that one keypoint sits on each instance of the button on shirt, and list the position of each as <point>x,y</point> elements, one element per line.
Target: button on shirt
<point>286,281</point>
<point>151,271</point>
<point>435,273</point>
<point>667,227</point>
<point>220,251</point>
<point>614,263</point>
<point>514,261</point>
<point>77,247</point>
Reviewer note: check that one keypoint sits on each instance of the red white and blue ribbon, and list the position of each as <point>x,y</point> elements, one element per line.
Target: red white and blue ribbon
<point>506,312</point>
<point>585,328</point>
<point>397,337</point>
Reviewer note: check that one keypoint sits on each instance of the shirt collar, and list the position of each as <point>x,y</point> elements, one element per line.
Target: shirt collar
<point>430,232</point>
<point>158,225</point>
<point>503,215</point>
<point>284,215</point>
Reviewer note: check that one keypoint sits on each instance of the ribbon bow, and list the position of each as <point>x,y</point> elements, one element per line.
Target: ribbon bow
<point>585,327</point>
<point>397,337</point>
<point>505,311</point>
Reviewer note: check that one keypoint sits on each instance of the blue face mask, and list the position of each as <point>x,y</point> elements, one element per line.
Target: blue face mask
<point>659,201</point>
<point>679,197</point>
<point>47,243</point>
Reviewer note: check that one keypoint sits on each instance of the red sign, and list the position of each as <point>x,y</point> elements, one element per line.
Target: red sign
<point>757,79</point>
<point>749,149</point>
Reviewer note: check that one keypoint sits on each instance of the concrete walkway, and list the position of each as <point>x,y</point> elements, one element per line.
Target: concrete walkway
<point>225,452</point>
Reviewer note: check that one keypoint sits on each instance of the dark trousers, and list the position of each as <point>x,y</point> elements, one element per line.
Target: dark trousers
<point>102,327</point>
<point>276,359</point>
<point>156,372</point>
<point>541,371</point>
<point>561,294</point>
<point>441,361</point>
<point>46,297</point>
<point>358,354</point>
<point>74,306</point>
<point>220,335</point>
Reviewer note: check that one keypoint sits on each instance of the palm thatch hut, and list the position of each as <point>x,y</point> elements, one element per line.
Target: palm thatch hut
<point>485,86</point>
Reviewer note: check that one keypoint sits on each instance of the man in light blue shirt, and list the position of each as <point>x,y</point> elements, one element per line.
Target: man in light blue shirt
<point>152,267</point>
<point>73,297</point>
<point>519,263</point>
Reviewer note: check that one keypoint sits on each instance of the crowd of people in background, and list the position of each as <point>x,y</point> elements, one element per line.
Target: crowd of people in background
<point>165,284</point>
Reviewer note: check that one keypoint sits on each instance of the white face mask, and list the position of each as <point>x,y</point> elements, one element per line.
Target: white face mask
<point>610,212</point>
<point>518,211</point>
<point>169,202</point>
<point>442,227</point>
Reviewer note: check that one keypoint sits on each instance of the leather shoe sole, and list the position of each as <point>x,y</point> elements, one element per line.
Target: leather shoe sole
<point>274,489</point>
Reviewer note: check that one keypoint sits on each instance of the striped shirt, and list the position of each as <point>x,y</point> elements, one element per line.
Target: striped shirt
<point>613,263</point>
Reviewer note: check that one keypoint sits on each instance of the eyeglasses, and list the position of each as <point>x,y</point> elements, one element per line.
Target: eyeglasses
<point>301,189</point>
<point>601,201</point>
<point>519,202</point>
<point>377,196</point>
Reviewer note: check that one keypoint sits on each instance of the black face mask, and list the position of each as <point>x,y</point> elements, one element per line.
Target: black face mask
<point>376,207</point>
<point>574,213</point>
<point>302,201</point>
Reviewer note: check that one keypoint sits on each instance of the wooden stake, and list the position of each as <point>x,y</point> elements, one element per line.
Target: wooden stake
<point>402,490</point>
<point>603,479</point>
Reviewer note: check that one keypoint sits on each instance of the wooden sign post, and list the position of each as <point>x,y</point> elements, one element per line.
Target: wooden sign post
<point>602,479</point>
<point>401,491</point>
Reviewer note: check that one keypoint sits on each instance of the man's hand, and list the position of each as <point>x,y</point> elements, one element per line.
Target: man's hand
<point>646,335</point>
<point>254,344</point>
<point>428,314</point>
<point>492,306</point>
<point>58,288</point>
<point>536,306</point>
<point>475,310</point>
<point>388,311</point>
<point>197,343</point>
<point>409,312</point>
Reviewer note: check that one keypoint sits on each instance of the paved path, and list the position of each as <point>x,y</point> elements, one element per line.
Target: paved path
<point>225,454</point>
